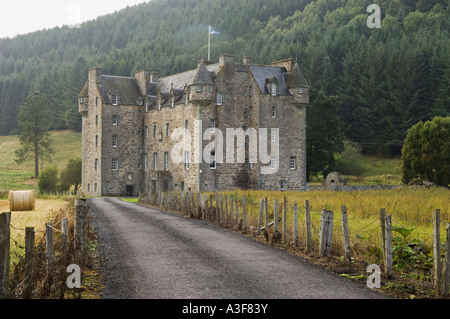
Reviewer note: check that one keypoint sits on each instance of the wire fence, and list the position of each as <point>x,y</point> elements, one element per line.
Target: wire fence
<point>412,240</point>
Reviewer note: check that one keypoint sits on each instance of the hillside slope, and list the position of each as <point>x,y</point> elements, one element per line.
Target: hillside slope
<point>67,146</point>
<point>388,78</point>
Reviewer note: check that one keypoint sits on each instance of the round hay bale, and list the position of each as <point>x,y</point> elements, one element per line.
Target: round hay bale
<point>21,201</point>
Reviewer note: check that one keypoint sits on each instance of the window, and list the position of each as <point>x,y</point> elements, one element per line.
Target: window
<point>300,90</point>
<point>95,188</point>
<point>96,140</point>
<point>114,141</point>
<point>282,186</point>
<point>293,163</point>
<point>273,89</point>
<point>81,100</point>
<point>186,124</point>
<point>182,186</point>
<point>96,120</point>
<point>146,107</point>
<point>273,162</point>
<point>115,99</point>
<point>245,114</point>
<point>187,160</point>
<point>96,164</point>
<point>212,125</point>
<point>146,131</point>
<point>199,88</point>
<point>114,120</point>
<point>146,162</point>
<point>115,164</point>
<point>250,111</point>
<point>210,89</point>
<point>172,102</point>
<point>96,101</point>
<point>155,161</point>
<point>154,131</point>
<point>166,161</point>
<point>219,99</point>
<point>212,162</point>
<point>273,136</point>
<point>130,176</point>
<point>167,129</point>
<point>186,99</point>
<point>89,187</point>
<point>274,112</point>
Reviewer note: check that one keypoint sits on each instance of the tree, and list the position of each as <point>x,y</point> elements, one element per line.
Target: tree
<point>426,152</point>
<point>48,180</point>
<point>34,124</point>
<point>324,133</point>
<point>71,175</point>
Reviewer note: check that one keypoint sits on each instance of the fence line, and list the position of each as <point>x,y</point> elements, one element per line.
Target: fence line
<point>315,232</point>
<point>65,255</point>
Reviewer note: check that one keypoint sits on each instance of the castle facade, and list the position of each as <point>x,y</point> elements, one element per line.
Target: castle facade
<point>221,126</point>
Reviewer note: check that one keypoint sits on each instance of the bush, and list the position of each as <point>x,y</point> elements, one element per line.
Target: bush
<point>426,152</point>
<point>349,162</point>
<point>48,180</point>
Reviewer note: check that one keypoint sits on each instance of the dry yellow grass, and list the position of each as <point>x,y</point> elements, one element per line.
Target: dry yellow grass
<point>37,219</point>
<point>409,207</point>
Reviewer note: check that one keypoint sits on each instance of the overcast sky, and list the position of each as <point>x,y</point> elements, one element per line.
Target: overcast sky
<point>24,16</point>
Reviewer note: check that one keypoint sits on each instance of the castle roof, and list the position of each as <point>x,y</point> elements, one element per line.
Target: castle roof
<point>180,80</point>
<point>126,87</point>
<point>296,78</point>
<point>262,73</point>
<point>202,76</point>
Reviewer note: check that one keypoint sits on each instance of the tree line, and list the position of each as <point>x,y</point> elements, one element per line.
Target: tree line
<point>382,81</point>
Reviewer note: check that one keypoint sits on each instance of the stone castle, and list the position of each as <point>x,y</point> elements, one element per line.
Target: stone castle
<point>129,124</point>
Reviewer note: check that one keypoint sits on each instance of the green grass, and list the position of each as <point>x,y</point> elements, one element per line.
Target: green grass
<point>67,145</point>
<point>130,200</point>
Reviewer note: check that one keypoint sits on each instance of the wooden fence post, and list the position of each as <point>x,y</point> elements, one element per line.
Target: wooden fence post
<point>275,215</point>
<point>29,261</point>
<point>326,233</point>
<point>284,221</point>
<point>388,248</point>
<point>383,232</point>
<point>437,252</point>
<point>5,237</point>
<point>295,225</point>
<point>266,214</point>
<point>261,211</point>
<point>226,210</point>
<point>65,234</point>
<point>232,211</point>
<point>347,252</point>
<point>244,211</point>
<point>308,227</point>
<point>49,246</point>
<point>446,279</point>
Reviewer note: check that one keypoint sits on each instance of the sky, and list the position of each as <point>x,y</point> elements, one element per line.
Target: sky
<point>25,16</point>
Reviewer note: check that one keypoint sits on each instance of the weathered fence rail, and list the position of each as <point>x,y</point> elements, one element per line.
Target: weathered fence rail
<point>229,211</point>
<point>72,249</point>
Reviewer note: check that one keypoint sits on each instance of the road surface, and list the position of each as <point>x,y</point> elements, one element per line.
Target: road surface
<point>149,254</point>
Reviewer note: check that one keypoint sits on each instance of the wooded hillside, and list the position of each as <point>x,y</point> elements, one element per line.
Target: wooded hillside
<point>387,79</point>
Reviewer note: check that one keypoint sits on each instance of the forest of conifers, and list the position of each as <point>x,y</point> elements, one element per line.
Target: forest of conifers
<point>386,79</point>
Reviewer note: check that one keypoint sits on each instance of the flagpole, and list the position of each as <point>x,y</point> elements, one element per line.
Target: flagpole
<point>209,43</point>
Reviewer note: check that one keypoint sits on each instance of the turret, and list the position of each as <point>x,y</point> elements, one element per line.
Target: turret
<point>83,100</point>
<point>202,88</point>
<point>298,86</point>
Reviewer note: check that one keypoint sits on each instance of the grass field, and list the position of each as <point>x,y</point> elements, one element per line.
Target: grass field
<point>67,145</point>
<point>37,219</point>
<point>411,209</point>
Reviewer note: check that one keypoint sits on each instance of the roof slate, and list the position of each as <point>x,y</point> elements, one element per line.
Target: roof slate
<point>126,87</point>
<point>261,73</point>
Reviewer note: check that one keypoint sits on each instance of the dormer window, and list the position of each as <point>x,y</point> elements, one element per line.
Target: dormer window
<point>199,88</point>
<point>81,100</point>
<point>300,90</point>
<point>210,89</point>
<point>273,89</point>
<point>115,99</point>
